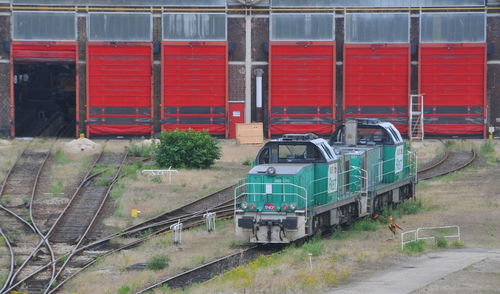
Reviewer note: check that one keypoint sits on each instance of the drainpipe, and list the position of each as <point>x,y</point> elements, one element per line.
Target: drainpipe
<point>258,90</point>
<point>248,65</point>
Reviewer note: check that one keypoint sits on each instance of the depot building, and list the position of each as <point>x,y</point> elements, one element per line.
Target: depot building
<point>138,67</point>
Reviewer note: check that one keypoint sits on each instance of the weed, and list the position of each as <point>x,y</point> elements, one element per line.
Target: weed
<point>365,225</point>
<point>158,262</point>
<point>198,260</point>
<point>61,158</point>
<point>487,147</point>
<point>140,150</point>
<point>103,182</point>
<point>156,179</point>
<point>414,247</point>
<point>130,170</point>
<point>338,234</point>
<point>64,258</point>
<point>7,199</point>
<point>457,244</point>
<point>449,143</point>
<point>405,208</point>
<point>118,189</point>
<point>56,188</point>
<point>248,161</point>
<point>314,247</point>
<point>441,242</point>
<point>235,243</point>
<point>124,290</point>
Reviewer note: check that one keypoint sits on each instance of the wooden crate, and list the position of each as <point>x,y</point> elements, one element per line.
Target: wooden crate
<point>251,133</point>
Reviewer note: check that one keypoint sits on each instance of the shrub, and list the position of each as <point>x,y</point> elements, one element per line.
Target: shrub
<point>487,147</point>
<point>457,244</point>
<point>124,290</point>
<point>187,149</point>
<point>140,150</point>
<point>441,242</point>
<point>414,247</point>
<point>158,262</point>
<point>248,161</point>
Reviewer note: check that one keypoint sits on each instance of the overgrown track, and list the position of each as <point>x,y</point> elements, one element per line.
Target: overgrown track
<point>452,161</point>
<point>31,279</point>
<point>209,270</point>
<point>16,215</point>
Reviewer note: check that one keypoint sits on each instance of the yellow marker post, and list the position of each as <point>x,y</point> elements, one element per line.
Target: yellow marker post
<point>134,212</point>
<point>82,135</point>
<point>491,131</point>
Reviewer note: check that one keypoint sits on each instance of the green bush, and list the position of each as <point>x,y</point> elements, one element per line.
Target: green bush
<point>124,290</point>
<point>158,262</point>
<point>487,147</point>
<point>187,149</point>
<point>414,247</point>
<point>441,242</point>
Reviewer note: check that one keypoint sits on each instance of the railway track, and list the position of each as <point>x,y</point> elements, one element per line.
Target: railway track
<point>191,215</point>
<point>16,216</point>
<point>450,162</point>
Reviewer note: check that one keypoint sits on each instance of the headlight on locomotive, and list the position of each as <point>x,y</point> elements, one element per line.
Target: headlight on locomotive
<point>252,206</point>
<point>293,206</point>
<point>284,207</point>
<point>244,205</point>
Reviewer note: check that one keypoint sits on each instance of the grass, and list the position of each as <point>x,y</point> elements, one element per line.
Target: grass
<point>56,188</point>
<point>248,161</point>
<point>414,247</point>
<point>408,207</point>
<point>140,150</point>
<point>61,158</point>
<point>124,290</point>
<point>487,150</point>
<point>158,262</point>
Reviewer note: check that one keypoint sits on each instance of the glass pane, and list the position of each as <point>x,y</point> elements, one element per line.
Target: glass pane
<point>466,27</point>
<point>44,26</point>
<point>302,27</point>
<point>120,27</point>
<point>377,28</point>
<point>194,26</point>
<point>375,3</point>
<point>197,3</point>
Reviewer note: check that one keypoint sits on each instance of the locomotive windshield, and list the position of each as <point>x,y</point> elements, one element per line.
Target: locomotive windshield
<point>290,153</point>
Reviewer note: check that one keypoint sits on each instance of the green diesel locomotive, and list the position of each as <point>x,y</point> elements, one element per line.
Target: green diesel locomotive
<point>301,183</point>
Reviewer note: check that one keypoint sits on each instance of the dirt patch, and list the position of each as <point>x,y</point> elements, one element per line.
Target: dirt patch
<point>80,145</point>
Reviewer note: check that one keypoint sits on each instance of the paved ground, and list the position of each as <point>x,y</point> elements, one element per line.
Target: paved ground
<point>453,271</point>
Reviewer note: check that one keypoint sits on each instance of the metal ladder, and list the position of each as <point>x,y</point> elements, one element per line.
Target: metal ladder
<point>416,118</point>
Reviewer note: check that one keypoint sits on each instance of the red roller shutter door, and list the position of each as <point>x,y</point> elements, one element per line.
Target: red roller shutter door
<point>302,87</point>
<point>377,82</point>
<point>452,78</point>
<point>25,51</point>
<point>195,86</point>
<point>119,89</point>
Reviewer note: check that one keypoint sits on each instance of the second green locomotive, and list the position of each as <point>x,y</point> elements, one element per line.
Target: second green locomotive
<point>301,183</point>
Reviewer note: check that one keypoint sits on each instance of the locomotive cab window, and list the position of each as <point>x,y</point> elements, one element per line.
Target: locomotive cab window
<point>375,135</point>
<point>263,157</point>
<point>298,153</point>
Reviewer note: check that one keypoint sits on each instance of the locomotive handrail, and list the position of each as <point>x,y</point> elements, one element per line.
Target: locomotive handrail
<point>377,175</point>
<point>362,188</point>
<point>238,195</point>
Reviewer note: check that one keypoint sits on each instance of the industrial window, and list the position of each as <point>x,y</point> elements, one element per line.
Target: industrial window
<point>376,3</point>
<point>463,27</point>
<point>120,27</point>
<point>44,26</point>
<point>302,27</point>
<point>194,26</point>
<point>177,3</point>
<point>377,28</point>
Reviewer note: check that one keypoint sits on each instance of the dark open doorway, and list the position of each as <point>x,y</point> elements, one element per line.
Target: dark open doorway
<point>45,99</point>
